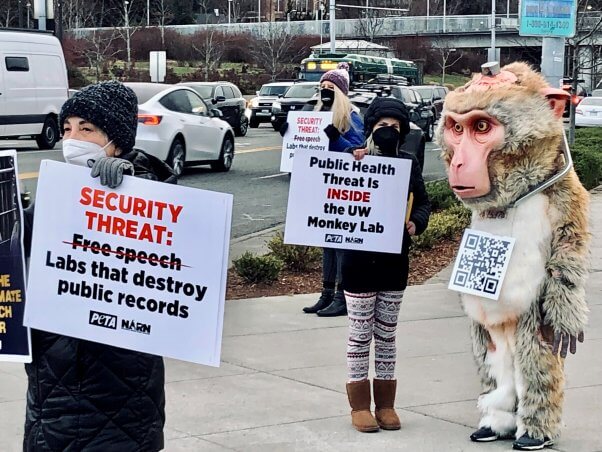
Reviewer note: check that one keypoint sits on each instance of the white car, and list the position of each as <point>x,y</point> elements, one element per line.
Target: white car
<point>177,126</point>
<point>589,112</point>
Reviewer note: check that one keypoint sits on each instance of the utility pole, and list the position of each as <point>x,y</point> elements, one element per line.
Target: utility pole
<point>148,13</point>
<point>492,53</point>
<point>333,38</point>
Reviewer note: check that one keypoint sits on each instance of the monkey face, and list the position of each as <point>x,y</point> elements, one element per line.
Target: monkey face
<point>471,137</point>
<point>500,137</point>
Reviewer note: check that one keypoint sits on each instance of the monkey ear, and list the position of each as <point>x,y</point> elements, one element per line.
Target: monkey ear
<point>557,98</point>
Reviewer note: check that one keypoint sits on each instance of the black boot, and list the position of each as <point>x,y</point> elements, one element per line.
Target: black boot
<point>336,308</point>
<point>324,300</point>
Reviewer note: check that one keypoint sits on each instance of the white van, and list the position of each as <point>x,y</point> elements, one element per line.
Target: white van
<point>33,86</point>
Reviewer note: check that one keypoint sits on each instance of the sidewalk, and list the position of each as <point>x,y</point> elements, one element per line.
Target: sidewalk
<point>281,385</point>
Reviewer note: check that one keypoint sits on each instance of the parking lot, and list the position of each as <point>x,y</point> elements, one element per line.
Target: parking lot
<point>260,190</point>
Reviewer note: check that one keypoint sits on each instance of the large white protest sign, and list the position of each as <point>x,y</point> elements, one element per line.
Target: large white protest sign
<point>305,133</point>
<point>15,344</point>
<point>338,202</point>
<point>142,267</point>
<point>481,264</point>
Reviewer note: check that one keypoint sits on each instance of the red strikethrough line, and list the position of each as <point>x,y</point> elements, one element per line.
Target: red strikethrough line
<point>121,253</point>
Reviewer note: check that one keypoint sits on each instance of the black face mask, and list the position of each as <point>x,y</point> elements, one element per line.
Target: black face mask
<point>387,140</point>
<point>327,96</point>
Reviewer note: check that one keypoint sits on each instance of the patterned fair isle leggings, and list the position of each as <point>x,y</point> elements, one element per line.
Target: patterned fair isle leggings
<point>372,313</point>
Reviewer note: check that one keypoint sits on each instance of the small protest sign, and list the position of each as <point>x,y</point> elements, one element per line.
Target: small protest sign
<point>15,344</point>
<point>305,133</point>
<point>142,267</point>
<point>481,264</point>
<point>338,202</point>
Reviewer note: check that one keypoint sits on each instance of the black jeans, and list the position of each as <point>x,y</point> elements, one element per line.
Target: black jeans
<point>331,268</point>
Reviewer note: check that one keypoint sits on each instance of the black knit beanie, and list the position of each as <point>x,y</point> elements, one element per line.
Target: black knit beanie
<point>387,107</point>
<point>110,106</point>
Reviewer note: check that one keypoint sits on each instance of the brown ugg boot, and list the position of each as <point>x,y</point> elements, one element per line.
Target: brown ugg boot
<point>358,393</point>
<point>384,399</point>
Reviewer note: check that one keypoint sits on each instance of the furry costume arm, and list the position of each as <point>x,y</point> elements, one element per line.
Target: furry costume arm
<point>564,305</point>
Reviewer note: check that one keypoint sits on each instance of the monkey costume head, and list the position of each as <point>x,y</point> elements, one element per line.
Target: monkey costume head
<point>508,118</point>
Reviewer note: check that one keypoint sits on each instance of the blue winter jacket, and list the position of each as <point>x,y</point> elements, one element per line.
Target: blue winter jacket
<point>353,137</point>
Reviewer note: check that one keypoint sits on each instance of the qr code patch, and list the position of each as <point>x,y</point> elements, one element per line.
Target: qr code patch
<point>481,264</point>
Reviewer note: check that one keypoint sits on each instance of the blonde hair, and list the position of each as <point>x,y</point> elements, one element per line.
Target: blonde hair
<point>341,110</point>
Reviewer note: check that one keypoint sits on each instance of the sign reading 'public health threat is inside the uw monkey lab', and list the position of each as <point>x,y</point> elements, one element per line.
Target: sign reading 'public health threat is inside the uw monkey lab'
<point>142,267</point>
<point>338,202</point>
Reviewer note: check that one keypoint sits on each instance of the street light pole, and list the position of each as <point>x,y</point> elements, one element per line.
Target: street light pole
<point>492,52</point>
<point>229,11</point>
<point>444,13</point>
<point>148,13</point>
<point>333,38</point>
<point>258,11</point>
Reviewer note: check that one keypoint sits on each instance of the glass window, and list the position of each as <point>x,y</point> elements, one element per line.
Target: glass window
<point>441,92</point>
<point>273,90</point>
<point>302,91</point>
<point>219,92</point>
<point>426,93</point>
<point>228,92</point>
<point>205,91</point>
<point>17,64</point>
<point>597,101</point>
<point>177,101</point>
<point>197,105</point>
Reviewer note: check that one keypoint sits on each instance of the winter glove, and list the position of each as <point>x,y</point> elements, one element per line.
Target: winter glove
<point>111,170</point>
<point>564,342</point>
<point>332,132</point>
<point>283,129</point>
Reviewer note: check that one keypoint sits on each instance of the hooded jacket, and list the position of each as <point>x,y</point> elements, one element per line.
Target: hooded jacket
<point>86,396</point>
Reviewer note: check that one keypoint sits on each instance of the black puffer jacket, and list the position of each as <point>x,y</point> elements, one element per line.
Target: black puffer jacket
<point>366,271</point>
<point>85,396</point>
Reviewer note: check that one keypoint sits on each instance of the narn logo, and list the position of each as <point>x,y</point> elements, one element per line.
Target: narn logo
<point>136,327</point>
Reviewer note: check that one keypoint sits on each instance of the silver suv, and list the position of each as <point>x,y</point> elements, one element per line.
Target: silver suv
<point>261,106</point>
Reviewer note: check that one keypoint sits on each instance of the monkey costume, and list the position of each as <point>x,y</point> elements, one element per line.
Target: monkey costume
<point>502,139</point>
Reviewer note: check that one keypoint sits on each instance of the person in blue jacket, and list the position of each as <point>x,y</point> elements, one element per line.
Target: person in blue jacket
<point>346,131</point>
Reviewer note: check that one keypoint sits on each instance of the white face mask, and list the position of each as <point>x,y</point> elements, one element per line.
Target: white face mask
<point>83,153</point>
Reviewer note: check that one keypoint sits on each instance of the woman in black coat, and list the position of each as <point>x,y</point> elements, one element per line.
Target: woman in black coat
<point>374,282</point>
<point>82,395</point>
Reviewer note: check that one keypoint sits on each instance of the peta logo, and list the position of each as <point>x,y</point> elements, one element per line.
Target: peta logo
<point>333,238</point>
<point>104,320</point>
<point>136,327</point>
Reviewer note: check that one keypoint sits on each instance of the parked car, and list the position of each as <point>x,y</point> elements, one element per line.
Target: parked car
<point>589,112</point>
<point>434,96</point>
<point>293,99</point>
<point>421,112</point>
<point>33,86</point>
<point>415,141</point>
<point>261,106</point>
<point>227,98</point>
<point>176,125</point>
<point>597,92</point>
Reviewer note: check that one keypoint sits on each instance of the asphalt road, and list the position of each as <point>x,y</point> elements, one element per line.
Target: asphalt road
<point>260,190</point>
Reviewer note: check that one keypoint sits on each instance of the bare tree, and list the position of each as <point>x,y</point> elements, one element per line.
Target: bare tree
<point>582,53</point>
<point>97,49</point>
<point>164,16</point>
<point>447,57</point>
<point>273,47</point>
<point>8,12</point>
<point>128,29</point>
<point>79,13</point>
<point>209,46</point>
<point>208,43</point>
<point>371,24</point>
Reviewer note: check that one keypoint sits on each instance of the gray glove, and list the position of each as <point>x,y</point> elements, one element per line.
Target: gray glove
<point>111,170</point>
